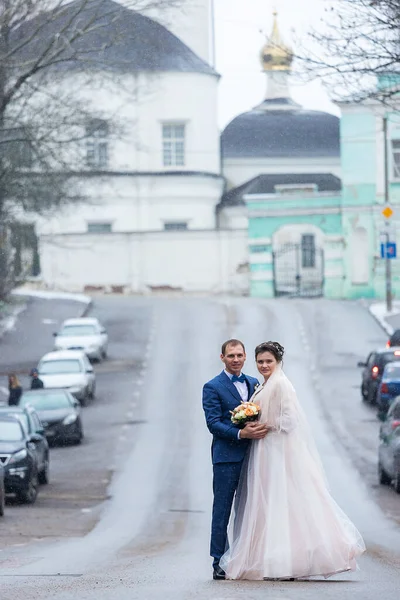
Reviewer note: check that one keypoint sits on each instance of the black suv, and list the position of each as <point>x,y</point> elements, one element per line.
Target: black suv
<point>373,370</point>
<point>19,459</point>
<point>33,426</point>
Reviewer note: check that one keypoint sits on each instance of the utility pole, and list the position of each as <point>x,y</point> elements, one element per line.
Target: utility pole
<point>388,264</point>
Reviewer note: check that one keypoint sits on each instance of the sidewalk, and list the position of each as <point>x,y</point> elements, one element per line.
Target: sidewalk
<point>389,321</point>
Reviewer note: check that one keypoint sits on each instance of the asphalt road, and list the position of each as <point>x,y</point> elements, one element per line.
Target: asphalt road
<point>151,540</point>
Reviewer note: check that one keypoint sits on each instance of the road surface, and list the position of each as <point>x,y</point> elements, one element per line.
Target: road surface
<point>150,538</point>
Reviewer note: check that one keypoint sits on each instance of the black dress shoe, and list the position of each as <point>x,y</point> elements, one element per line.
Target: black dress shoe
<point>218,573</point>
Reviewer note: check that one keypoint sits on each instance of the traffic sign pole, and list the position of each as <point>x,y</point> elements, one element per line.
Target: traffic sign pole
<point>387,212</point>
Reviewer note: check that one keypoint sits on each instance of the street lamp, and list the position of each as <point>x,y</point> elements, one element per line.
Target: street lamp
<point>388,264</point>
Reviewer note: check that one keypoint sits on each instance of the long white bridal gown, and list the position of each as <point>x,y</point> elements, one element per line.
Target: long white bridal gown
<point>285,523</point>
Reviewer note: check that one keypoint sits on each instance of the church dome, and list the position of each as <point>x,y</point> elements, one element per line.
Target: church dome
<point>281,130</point>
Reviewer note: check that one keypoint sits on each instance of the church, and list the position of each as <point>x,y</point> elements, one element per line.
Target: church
<point>285,201</point>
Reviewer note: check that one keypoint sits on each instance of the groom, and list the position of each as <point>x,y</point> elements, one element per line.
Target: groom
<point>221,395</point>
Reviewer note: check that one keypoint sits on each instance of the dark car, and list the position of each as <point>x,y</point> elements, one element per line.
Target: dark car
<point>31,422</point>
<point>2,491</point>
<point>394,339</point>
<point>19,459</point>
<point>389,449</point>
<point>59,412</point>
<point>389,387</point>
<point>373,371</point>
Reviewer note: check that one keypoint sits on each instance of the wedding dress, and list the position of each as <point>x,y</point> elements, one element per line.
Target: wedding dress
<point>285,522</point>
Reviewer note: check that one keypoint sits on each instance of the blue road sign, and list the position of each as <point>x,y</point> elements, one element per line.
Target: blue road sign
<point>389,250</point>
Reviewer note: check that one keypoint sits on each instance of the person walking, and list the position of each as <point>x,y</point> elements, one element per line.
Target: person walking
<point>15,390</point>
<point>36,382</point>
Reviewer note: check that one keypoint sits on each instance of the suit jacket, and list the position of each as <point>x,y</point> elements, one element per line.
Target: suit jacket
<point>219,397</point>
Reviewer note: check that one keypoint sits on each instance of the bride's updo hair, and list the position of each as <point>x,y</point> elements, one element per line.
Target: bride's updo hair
<point>276,349</point>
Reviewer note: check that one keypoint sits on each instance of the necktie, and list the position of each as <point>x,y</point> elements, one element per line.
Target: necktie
<point>242,378</point>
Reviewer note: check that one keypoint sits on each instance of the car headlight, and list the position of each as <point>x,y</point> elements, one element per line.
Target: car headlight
<point>69,419</point>
<point>18,456</point>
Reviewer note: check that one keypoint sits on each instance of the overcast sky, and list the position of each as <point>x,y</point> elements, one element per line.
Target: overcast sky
<point>240,29</point>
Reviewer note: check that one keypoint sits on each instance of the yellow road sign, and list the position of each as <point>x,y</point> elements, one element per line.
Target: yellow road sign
<point>387,212</point>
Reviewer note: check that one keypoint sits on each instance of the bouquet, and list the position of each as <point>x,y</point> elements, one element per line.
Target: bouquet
<point>244,413</point>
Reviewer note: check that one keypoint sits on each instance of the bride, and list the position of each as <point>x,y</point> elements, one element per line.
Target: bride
<point>286,524</point>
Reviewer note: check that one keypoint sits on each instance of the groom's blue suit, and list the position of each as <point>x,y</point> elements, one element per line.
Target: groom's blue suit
<point>220,396</point>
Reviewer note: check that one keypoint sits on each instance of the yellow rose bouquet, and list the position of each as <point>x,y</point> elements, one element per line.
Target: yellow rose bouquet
<point>244,413</point>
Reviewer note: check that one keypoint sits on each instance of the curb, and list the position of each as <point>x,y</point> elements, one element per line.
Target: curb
<point>383,324</point>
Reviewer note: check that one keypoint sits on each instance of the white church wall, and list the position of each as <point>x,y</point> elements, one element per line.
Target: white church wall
<point>240,170</point>
<point>143,203</point>
<point>201,261</point>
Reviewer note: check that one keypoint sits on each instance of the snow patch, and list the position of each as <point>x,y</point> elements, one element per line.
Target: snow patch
<point>9,322</point>
<point>47,295</point>
<point>380,312</point>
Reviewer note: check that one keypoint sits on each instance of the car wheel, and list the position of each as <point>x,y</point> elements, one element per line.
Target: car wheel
<point>371,396</point>
<point>363,394</point>
<point>93,393</point>
<point>43,476</point>
<point>384,478</point>
<point>29,494</point>
<point>104,353</point>
<point>86,398</point>
<point>2,501</point>
<point>396,483</point>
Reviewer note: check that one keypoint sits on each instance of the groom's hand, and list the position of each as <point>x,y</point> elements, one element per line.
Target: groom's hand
<point>254,431</point>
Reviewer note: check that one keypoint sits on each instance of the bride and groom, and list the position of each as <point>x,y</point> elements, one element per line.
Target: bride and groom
<point>273,516</point>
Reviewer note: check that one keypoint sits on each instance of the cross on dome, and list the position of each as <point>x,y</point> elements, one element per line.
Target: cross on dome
<point>276,55</point>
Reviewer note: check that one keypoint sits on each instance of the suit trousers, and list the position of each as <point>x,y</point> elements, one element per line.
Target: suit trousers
<point>225,483</point>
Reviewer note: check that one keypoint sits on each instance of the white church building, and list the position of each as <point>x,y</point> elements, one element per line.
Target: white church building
<point>164,205</point>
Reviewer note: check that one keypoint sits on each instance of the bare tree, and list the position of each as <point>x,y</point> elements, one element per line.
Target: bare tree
<point>357,42</point>
<point>44,122</point>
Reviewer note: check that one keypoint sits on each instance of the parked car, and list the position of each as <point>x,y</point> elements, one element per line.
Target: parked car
<point>86,334</point>
<point>2,491</point>
<point>389,448</point>
<point>373,371</point>
<point>69,369</point>
<point>34,428</point>
<point>19,458</point>
<point>60,414</point>
<point>394,339</point>
<point>389,387</point>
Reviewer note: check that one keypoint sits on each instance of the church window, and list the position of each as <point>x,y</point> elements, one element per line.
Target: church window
<point>396,158</point>
<point>173,144</point>
<point>99,227</point>
<point>97,144</point>
<point>176,226</point>
<point>308,251</point>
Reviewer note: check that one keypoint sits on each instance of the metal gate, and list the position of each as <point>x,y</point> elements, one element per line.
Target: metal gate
<point>299,271</point>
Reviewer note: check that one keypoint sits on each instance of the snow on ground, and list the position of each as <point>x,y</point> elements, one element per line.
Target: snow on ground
<point>47,295</point>
<point>10,320</point>
<point>380,312</point>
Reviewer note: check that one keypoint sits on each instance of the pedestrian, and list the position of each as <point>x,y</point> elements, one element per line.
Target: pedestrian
<point>36,382</point>
<point>15,390</point>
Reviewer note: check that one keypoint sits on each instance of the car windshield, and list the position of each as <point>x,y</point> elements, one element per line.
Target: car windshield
<point>78,330</point>
<point>10,432</point>
<point>392,371</point>
<point>21,416</point>
<point>58,367</point>
<point>46,401</point>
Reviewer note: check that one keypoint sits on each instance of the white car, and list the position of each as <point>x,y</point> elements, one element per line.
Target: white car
<point>70,370</point>
<point>86,334</point>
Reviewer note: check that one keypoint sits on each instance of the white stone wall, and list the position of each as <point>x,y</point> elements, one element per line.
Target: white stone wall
<point>200,261</point>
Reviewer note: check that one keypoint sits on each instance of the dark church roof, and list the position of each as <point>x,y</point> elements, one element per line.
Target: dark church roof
<point>120,40</point>
<point>266,184</point>
<point>281,133</point>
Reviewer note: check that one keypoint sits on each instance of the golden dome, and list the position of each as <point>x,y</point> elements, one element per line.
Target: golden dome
<point>275,55</point>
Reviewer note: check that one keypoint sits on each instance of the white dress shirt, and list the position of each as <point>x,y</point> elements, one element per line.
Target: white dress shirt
<point>241,387</point>
<point>243,391</point>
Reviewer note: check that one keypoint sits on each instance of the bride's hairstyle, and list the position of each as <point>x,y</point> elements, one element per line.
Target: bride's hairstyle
<point>274,347</point>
